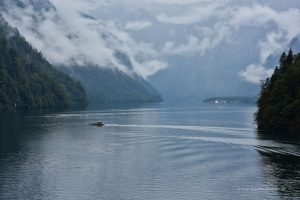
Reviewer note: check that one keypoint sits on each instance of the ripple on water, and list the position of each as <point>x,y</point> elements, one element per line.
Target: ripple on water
<point>202,152</point>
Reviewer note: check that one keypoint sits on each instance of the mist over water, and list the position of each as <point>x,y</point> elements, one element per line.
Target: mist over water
<point>155,151</point>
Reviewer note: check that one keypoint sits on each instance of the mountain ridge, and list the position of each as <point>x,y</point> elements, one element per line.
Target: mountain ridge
<point>130,87</point>
<point>28,81</point>
<point>106,86</point>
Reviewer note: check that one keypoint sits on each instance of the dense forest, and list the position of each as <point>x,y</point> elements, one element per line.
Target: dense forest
<point>28,81</point>
<point>279,100</point>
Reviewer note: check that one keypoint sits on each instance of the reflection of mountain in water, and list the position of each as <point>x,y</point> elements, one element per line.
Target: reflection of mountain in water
<point>16,129</point>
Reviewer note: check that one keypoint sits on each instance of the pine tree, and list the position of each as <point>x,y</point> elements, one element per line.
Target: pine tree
<point>282,60</point>
<point>28,81</point>
<point>290,58</point>
<point>279,100</point>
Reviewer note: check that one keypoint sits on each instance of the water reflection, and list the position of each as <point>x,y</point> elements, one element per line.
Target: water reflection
<point>281,165</point>
<point>144,152</point>
<point>282,171</point>
<point>15,130</point>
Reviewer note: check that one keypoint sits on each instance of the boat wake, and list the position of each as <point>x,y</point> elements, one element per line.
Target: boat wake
<point>245,137</point>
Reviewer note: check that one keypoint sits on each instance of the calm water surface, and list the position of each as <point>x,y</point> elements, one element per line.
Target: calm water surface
<point>157,152</point>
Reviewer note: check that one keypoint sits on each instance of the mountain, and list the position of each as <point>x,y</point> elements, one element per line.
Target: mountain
<point>28,81</point>
<point>279,101</point>
<point>112,85</point>
<point>92,54</point>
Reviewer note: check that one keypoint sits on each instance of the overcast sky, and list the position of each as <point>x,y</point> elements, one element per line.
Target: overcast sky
<point>207,24</point>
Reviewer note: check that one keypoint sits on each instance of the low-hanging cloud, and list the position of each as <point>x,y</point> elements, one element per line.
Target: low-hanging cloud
<point>276,41</point>
<point>61,43</point>
<point>255,73</point>
<point>195,14</point>
<point>211,38</point>
<point>230,19</point>
<point>138,25</point>
<point>69,35</point>
<point>287,23</point>
<point>67,38</point>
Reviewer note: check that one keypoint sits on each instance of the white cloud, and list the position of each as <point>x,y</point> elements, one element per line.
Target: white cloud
<point>66,38</point>
<point>194,14</point>
<point>255,73</point>
<point>138,25</point>
<point>151,67</point>
<point>208,24</point>
<point>146,3</point>
<point>231,19</point>
<point>287,23</point>
<point>210,39</point>
<point>60,42</point>
<point>273,44</point>
<point>287,28</point>
<point>181,2</point>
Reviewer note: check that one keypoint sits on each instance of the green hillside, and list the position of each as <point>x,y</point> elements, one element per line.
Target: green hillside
<point>28,81</point>
<point>104,86</point>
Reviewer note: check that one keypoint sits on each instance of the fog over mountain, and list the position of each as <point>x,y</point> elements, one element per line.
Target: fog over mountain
<point>188,49</point>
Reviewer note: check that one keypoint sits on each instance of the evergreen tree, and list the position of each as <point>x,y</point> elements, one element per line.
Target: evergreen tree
<point>28,81</point>
<point>282,60</point>
<point>290,58</point>
<point>279,100</point>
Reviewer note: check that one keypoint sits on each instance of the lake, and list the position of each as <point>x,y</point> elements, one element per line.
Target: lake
<point>153,151</point>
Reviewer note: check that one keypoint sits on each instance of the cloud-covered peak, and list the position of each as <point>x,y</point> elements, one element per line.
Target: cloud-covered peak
<point>73,37</point>
<point>202,37</point>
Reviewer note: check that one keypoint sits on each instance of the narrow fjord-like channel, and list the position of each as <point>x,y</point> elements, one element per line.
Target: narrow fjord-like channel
<point>153,152</point>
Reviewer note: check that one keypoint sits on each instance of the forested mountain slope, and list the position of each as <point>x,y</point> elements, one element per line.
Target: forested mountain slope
<point>105,86</point>
<point>28,81</point>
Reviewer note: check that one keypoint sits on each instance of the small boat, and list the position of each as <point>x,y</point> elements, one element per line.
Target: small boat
<point>98,124</point>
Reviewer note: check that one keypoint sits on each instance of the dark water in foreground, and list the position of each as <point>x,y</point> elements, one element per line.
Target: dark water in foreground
<point>147,152</point>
